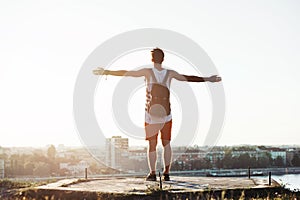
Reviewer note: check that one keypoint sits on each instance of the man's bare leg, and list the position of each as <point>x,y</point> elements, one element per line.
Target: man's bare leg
<point>152,156</point>
<point>167,155</point>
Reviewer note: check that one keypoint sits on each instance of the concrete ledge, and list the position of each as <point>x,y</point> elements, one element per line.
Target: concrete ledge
<point>177,184</point>
<point>120,188</point>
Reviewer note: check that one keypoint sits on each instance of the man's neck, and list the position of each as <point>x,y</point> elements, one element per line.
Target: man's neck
<point>158,66</point>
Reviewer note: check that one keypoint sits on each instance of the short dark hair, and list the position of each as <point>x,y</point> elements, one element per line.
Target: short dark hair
<point>157,55</point>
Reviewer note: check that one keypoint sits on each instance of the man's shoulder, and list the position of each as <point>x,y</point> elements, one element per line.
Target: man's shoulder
<point>147,69</point>
<point>171,71</point>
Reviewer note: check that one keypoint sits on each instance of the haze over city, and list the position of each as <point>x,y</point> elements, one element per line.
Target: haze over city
<point>253,44</point>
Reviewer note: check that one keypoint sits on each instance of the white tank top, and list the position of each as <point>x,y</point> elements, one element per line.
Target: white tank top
<point>160,77</point>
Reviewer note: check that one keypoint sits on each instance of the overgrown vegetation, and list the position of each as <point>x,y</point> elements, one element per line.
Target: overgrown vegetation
<point>9,184</point>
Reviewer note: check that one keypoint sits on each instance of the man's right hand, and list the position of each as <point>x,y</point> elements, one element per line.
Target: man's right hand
<point>98,71</point>
<point>214,78</point>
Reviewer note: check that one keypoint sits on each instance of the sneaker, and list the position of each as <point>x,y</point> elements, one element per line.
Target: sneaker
<point>166,177</point>
<point>151,177</point>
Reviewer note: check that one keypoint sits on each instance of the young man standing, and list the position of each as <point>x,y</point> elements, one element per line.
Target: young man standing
<point>158,116</point>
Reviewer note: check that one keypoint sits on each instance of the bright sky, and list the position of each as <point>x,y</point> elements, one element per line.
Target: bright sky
<point>254,44</point>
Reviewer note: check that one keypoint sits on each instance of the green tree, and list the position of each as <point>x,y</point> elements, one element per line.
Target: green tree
<point>253,162</point>
<point>296,160</point>
<point>41,169</point>
<point>16,165</point>
<point>3,156</point>
<point>38,157</point>
<point>219,163</point>
<point>28,168</point>
<point>200,164</point>
<point>265,160</point>
<point>176,166</point>
<point>278,161</point>
<point>244,161</point>
<point>227,160</point>
<point>51,152</point>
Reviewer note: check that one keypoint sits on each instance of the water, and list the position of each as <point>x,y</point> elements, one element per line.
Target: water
<point>291,181</point>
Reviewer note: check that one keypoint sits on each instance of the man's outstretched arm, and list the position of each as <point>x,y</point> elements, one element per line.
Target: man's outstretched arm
<point>181,77</point>
<point>133,73</point>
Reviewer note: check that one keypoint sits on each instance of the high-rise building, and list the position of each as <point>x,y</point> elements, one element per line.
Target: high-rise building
<point>116,152</point>
<point>1,168</point>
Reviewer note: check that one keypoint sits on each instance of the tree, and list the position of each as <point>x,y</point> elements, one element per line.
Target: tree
<point>200,164</point>
<point>227,160</point>
<point>16,165</point>
<point>253,162</point>
<point>219,163</point>
<point>296,160</point>
<point>264,161</point>
<point>176,166</point>
<point>28,168</point>
<point>244,161</point>
<point>278,161</point>
<point>3,156</point>
<point>51,152</point>
<point>41,169</point>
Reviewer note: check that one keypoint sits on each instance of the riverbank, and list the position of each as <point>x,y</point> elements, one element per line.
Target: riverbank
<point>240,172</point>
<point>290,181</point>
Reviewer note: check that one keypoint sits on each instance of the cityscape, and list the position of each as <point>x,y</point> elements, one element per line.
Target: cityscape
<point>117,157</point>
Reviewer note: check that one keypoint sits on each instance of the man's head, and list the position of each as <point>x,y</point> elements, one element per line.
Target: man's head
<point>157,55</point>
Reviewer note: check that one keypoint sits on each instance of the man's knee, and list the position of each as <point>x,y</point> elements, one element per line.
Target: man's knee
<point>165,142</point>
<point>152,145</point>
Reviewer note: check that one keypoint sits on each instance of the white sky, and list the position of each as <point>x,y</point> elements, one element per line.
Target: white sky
<point>254,44</point>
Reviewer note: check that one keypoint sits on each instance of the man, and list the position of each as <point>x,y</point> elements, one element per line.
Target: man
<point>158,116</point>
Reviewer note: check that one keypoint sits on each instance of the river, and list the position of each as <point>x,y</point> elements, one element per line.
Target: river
<point>291,181</point>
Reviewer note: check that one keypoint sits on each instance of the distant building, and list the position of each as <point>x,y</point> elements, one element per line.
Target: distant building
<point>290,156</point>
<point>138,154</point>
<point>116,152</point>
<point>75,169</point>
<point>215,156</point>
<point>251,153</point>
<point>279,153</point>
<point>276,152</point>
<point>2,168</point>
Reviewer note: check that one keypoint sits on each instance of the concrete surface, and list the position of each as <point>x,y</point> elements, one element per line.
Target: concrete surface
<point>132,185</point>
